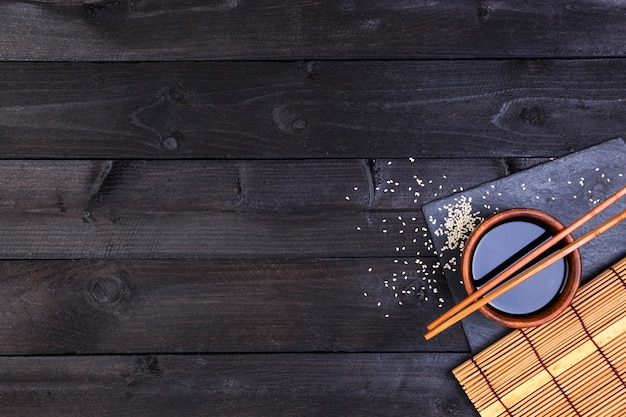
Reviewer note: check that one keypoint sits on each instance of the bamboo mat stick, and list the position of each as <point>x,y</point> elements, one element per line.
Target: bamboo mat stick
<point>528,258</point>
<point>528,273</point>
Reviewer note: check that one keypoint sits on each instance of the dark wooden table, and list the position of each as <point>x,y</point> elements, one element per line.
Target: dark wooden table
<point>212,208</point>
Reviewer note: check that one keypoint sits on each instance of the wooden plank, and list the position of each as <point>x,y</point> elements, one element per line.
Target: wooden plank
<point>233,385</point>
<point>316,305</point>
<point>208,235</point>
<point>332,109</point>
<point>224,209</point>
<point>278,29</point>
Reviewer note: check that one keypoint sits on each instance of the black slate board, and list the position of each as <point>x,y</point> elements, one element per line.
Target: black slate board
<point>566,188</point>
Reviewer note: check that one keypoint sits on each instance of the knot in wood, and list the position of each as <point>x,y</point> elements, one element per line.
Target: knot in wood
<point>107,290</point>
<point>534,115</point>
<point>299,124</point>
<point>170,143</point>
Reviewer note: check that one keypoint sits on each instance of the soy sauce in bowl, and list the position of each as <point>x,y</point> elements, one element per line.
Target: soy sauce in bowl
<point>503,239</point>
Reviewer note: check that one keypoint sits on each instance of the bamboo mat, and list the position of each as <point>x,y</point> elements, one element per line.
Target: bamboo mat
<point>574,365</point>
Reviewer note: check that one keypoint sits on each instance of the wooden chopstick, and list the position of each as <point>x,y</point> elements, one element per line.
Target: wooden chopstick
<point>472,303</point>
<point>497,280</point>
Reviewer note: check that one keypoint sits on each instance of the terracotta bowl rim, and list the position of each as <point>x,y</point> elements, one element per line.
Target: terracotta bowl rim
<point>561,302</point>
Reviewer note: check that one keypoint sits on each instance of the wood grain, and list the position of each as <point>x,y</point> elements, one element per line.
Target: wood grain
<point>233,385</point>
<point>315,305</point>
<point>253,186</point>
<point>204,204</point>
<point>131,30</point>
<point>223,209</point>
<point>312,109</point>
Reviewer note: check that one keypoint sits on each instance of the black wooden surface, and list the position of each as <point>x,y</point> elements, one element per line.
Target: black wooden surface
<point>214,207</point>
<point>310,109</point>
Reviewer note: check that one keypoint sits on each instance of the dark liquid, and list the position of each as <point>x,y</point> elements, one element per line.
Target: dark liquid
<point>502,246</point>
